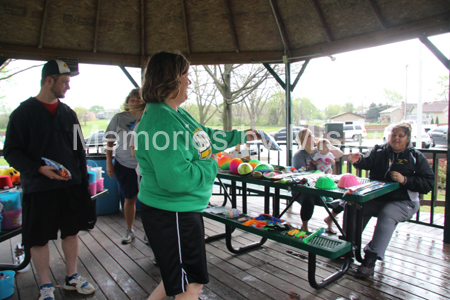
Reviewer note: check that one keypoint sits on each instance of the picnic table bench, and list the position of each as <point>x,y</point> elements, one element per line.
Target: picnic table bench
<point>331,248</point>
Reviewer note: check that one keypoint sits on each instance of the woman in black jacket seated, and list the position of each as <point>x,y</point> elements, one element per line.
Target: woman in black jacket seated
<point>396,161</point>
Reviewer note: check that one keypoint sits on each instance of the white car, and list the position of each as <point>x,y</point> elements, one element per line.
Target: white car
<point>426,140</point>
<point>353,131</point>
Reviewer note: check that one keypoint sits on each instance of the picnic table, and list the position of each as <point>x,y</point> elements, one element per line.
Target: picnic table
<point>348,246</point>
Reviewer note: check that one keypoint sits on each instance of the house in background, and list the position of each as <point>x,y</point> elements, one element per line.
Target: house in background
<point>431,111</point>
<point>348,116</point>
<point>396,114</point>
<point>391,115</point>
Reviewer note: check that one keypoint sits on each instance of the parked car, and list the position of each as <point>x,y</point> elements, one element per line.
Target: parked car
<point>426,140</point>
<point>439,135</point>
<point>429,127</point>
<point>280,135</point>
<point>96,138</point>
<point>354,131</point>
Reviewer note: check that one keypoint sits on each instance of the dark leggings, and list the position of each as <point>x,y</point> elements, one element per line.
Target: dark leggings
<point>307,202</point>
<point>338,209</point>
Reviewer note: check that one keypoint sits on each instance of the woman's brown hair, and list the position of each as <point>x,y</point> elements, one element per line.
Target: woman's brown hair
<point>162,76</point>
<point>134,93</point>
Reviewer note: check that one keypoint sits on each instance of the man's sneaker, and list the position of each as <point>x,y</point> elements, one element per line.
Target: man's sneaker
<point>78,283</point>
<point>46,292</point>
<point>146,239</point>
<point>365,270</point>
<point>128,237</point>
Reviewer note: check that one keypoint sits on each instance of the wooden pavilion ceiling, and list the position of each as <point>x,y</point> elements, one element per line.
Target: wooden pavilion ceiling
<point>127,32</point>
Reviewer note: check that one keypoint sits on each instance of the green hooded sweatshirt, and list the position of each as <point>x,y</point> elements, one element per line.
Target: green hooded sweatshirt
<point>173,151</point>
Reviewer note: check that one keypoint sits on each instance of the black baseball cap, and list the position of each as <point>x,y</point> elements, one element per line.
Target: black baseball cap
<point>57,67</point>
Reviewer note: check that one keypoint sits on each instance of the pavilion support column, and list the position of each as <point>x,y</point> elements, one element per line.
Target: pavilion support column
<point>447,188</point>
<point>446,62</point>
<point>287,66</point>
<point>288,88</point>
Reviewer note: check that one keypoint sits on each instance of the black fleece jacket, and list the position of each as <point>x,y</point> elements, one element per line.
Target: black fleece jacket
<point>410,163</point>
<point>32,133</point>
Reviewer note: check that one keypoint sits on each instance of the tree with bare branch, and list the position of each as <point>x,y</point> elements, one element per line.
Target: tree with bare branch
<point>255,103</point>
<point>235,83</point>
<point>276,107</point>
<point>6,73</point>
<point>205,93</point>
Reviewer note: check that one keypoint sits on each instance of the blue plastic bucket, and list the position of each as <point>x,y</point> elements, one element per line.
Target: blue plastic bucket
<point>7,284</point>
<point>10,200</point>
<point>91,163</point>
<point>92,176</point>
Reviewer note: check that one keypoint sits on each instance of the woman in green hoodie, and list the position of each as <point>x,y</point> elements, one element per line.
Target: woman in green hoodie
<point>178,162</point>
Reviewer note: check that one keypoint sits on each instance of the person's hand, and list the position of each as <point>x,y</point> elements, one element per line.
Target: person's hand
<point>396,176</point>
<point>330,161</point>
<point>215,157</point>
<point>51,173</point>
<point>110,169</point>
<point>315,162</point>
<point>252,135</point>
<point>354,157</point>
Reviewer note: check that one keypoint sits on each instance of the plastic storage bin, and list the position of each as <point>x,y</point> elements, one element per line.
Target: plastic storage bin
<point>10,200</point>
<point>12,219</point>
<point>109,203</point>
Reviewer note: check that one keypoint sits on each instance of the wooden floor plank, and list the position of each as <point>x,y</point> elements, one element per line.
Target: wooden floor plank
<point>106,272</point>
<point>137,282</point>
<point>415,267</point>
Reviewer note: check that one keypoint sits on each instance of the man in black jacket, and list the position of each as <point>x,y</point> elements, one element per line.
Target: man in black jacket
<point>42,126</point>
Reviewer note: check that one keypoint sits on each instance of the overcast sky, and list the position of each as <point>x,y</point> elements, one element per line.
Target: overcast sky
<point>358,77</point>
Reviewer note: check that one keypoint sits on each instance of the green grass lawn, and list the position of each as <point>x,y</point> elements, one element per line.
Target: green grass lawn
<point>91,126</point>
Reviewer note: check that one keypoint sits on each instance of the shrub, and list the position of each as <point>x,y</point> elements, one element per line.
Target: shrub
<point>442,175</point>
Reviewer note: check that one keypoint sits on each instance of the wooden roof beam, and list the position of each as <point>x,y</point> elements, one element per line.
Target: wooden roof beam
<point>233,28</point>
<point>280,25</point>
<point>378,15</point>
<point>188,44</point>
<point>323,24</point>
<point>44,20</point>
<point>97,22</point>
<point>142,28</point>
<point>427,27</point>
